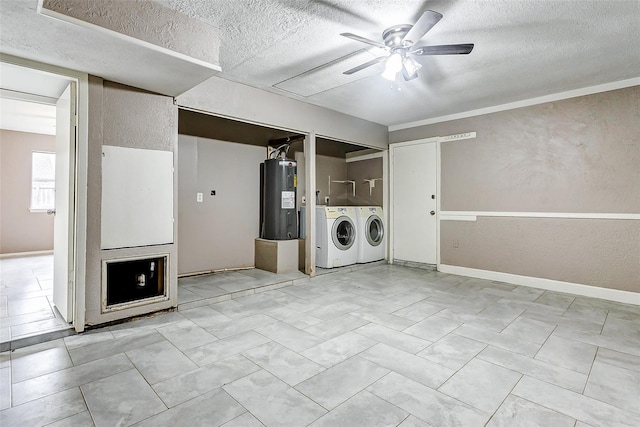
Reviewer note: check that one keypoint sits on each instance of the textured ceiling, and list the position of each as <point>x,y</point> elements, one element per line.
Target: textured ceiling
<point>523,49</point>
<point>105,53</point>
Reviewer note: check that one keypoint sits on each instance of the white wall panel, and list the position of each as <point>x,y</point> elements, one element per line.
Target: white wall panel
<point>137,197</point>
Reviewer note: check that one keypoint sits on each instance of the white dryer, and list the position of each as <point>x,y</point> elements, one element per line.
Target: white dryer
<point>371,233</point>
<point>336,236</point>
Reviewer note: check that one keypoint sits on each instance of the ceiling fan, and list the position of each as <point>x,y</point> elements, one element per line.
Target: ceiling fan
<point>400,45</point>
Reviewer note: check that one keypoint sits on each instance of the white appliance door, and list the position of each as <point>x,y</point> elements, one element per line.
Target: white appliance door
<point>343,233</point>
<point>414,203</point>
<point>374,230</point>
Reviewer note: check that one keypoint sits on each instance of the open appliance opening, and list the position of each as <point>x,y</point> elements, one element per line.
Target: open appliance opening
<point>134,282</point>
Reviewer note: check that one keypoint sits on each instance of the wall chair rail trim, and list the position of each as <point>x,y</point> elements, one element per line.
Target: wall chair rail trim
<point>472,215</point>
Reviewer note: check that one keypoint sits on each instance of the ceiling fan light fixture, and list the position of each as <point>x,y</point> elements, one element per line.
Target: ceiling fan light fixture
<point>399,45</point>
<point>410,68</point>
<point>393,66</point>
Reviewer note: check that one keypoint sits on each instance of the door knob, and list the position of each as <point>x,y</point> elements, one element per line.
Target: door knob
<point>432,212</point>
<point>51,212</point>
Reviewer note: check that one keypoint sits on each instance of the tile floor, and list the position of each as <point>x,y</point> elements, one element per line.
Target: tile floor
<point>26,298</point>
<point>381,346</point>
<point>205,289</point>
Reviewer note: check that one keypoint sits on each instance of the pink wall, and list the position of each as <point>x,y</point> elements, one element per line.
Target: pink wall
<point>20,229</point>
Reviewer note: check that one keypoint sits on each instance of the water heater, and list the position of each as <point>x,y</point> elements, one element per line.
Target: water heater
<point>278,204</point>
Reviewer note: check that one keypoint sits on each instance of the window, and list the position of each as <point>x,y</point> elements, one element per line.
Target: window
<point>43,181</point>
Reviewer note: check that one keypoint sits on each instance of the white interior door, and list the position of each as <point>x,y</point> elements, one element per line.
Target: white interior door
<point>64,213</point>
<point>414,204</point>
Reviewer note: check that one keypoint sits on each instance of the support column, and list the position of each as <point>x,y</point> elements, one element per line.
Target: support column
<point>310,189</point>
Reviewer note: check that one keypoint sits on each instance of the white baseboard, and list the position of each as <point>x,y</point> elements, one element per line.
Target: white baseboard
<point>617,295</point>
<point>25,254</point>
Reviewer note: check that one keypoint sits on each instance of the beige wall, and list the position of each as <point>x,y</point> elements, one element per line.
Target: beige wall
<point>20,229</point>
<point>360,170</point>
<point>336,169</point>
<point>220,231</point>
<point>594,252</point>
<point>340,170</point>
<point>579,155</point>
<point>126,117</point>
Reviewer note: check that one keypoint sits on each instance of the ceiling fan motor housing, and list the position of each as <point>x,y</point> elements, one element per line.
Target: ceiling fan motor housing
<point>393,36</point>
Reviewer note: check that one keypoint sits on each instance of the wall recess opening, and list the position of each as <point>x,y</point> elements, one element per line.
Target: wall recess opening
<point>132,282</point>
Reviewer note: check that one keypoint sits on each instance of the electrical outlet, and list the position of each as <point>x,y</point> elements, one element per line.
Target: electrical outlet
<point>199,197</point>
<point>456,243</point>
<point>326,200</point>
<point>304,200</point>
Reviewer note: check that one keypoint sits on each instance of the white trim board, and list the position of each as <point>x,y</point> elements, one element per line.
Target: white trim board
<point>26,97</point>
<point>616,295</point>
<point>472,215</point>
<point>457,137</point>
<point>365,157</point>
<point>621,84</point>
<point>25,254</point>
<point>449,216</point>
<point>415,142</point>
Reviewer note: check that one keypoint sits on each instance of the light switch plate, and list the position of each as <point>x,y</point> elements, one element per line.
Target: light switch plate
<point>199,197</point>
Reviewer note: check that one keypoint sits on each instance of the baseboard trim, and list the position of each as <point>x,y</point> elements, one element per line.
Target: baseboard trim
<point>25,254</point>
<point>616,295</point>
<point>414,264</point>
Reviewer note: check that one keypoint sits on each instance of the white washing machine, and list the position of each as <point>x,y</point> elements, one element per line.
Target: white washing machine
<point>370,233</point>
<point>336,236</point>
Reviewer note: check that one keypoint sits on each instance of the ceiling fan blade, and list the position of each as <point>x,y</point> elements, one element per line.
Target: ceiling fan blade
<point>365,65</point>
<point>363,40</point>
<point>426,22</point>
<point>447,49</point>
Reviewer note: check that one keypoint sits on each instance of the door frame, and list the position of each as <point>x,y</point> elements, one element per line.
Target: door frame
<point>63,226</point>
<point>433,140</point>
<point>78,263</point>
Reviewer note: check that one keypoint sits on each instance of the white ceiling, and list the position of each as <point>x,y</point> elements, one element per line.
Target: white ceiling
<point>523,49</point>
<point>28,117</point>
<point>27,99</point>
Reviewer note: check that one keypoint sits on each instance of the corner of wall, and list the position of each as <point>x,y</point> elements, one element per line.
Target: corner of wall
<point>114,119</point>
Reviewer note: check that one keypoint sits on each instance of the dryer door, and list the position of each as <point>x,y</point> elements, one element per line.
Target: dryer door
<point>343,233</point>
<point>374,230</point>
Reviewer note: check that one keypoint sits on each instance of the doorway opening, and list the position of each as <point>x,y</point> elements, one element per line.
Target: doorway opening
<point>415,202</point>
<point>37,249</point>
